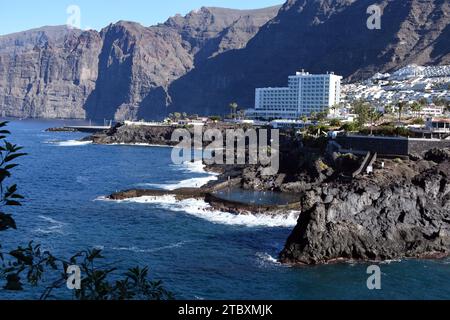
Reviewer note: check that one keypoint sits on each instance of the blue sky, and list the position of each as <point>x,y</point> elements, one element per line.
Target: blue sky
<point>19,15</point>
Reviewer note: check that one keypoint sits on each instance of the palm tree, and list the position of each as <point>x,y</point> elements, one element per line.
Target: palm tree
<point>401,105</point>
<point>416,107</point>
<point>233,106</point>
<point>388,109</point>
<point>373,116</point>
<point>177,116</point>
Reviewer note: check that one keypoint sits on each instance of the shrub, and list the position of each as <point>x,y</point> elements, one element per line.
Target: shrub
<point>418,121</point>
<point>335,123</point>
<point>350,127</point>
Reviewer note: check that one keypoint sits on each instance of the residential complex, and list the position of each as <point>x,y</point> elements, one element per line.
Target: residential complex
<point>306,94</point>
<point>411,83</point>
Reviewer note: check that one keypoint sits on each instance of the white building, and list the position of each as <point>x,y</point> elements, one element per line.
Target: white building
<point>432,110</point>
<point>306,94</point>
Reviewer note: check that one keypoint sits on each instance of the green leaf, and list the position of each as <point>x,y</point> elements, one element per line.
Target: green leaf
<point>12,203</point>
<point>10,166</point>
<point>14,156</point>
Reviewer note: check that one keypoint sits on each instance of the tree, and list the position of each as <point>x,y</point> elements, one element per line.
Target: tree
<point>233,106</point>
<point>361,108</point>
<point>389,109</point>
<point>177,116</point>
<point>401,106</point>
<point>416,107</point>
<point>215,118</point>
<point>373,116</point>
<point>367,114</point>
<point>321,116</point>
<point>30,262</point>
<point>423,102</point>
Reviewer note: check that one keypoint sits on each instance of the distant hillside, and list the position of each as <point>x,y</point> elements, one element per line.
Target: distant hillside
<point>54,72</point>
<point>202,61</point>
<point>319,36</point>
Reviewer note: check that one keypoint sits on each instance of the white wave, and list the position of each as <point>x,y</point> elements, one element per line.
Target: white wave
<point>266,258</point>
<point>141,145</point>
<point>201,209</point>
<point>189,183</point>
<point>70,143</point>
<point>196,167</point>
<point>102,198</point>
<point>139,250</point>
<point>56,227</point>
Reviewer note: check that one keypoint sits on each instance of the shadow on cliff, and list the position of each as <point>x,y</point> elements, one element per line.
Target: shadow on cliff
<point>302,37</point>
<point>114,76</point>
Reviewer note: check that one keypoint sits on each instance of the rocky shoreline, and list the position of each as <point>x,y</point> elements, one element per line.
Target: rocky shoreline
<point>400,211</point>
<point>403,211</point>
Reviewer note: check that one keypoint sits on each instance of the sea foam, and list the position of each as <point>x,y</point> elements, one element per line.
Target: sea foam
<point>70,143</point>
<point>201,209</point>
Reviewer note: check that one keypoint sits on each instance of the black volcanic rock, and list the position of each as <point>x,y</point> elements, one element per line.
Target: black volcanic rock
<point>401,212</point>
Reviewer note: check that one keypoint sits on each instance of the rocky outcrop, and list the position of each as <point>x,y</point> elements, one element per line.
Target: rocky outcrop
<point>401,212</point>
<point>200,62</point>
<point>122,134</point>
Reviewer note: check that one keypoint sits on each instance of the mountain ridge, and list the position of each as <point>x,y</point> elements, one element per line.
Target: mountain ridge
<point>199,62</point>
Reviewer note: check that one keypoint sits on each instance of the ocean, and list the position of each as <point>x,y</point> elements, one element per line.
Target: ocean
<point>198,254</point>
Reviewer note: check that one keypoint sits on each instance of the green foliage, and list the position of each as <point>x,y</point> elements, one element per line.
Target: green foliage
<point>318,130</point>
<point>233,106</point>
<point>366,113</point>
<point>351,127</point>
<point>388,131</point>
<point>101,283</point>
<point>389,109</point>
<point>215,118</point>
<point>418,121</point>
<point>335,123</point>
<point>9,196</point>
<point>402,106</point>
<point>27,265</point>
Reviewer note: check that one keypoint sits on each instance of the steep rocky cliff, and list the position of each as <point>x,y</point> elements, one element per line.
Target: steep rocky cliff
<point>55,72</point>
<point>319,36</point>
<point>200,62</point>
<point>48,72</point>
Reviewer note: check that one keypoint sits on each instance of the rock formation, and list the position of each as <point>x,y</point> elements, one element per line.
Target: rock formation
<point>201,62</point>
<point>403,211</point>
<point>55,72</point>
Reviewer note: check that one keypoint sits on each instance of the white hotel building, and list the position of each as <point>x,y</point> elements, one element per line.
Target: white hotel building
<point>306,94</point>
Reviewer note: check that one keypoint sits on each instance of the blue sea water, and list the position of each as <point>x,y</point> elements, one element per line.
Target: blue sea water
<point>198,254</point>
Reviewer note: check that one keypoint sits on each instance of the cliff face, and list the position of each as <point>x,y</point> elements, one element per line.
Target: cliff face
<point>47,72</point>
<point>319,36</point>
<point>401,212</point>
<point>200,62</point>
<point>54,72</point>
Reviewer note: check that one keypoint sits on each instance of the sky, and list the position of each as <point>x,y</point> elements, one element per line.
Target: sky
<point>20,15</point>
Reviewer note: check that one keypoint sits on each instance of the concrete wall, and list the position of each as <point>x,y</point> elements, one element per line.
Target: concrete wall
<point>391,145</point>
